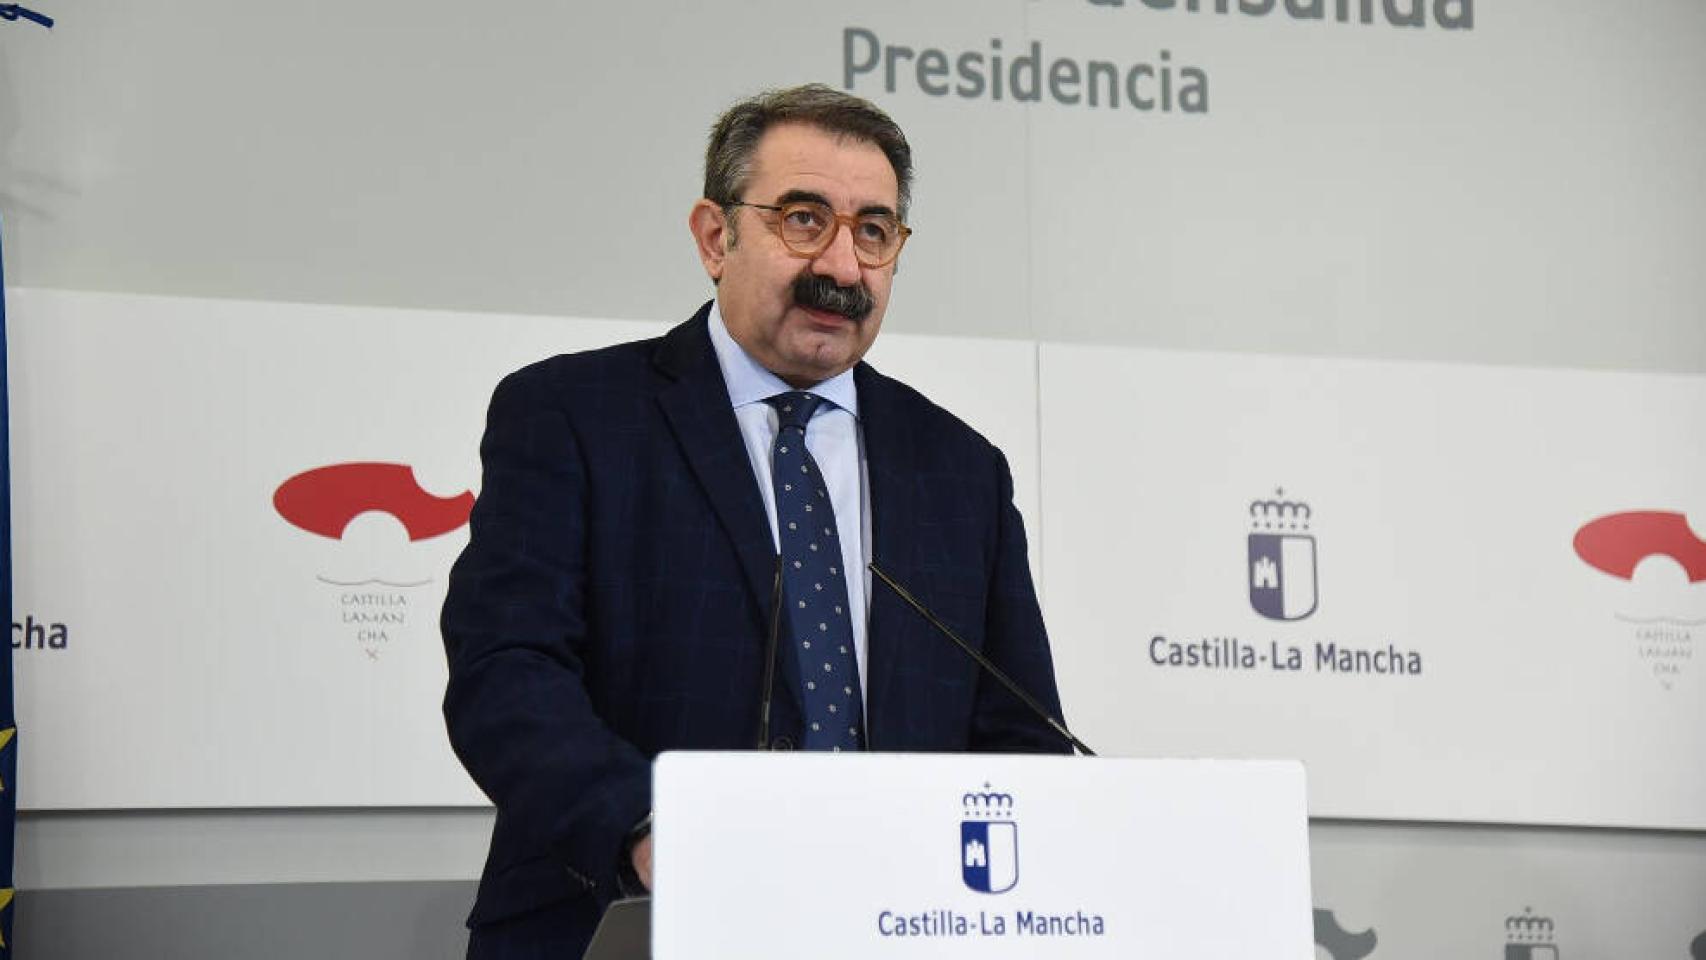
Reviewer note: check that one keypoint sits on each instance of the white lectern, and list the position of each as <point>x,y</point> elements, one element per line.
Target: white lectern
<point>838,856</point>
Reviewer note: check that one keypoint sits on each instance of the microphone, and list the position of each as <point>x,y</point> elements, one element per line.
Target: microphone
<point>12,11</point>
<point>982,661</point>
<point>770,658</point>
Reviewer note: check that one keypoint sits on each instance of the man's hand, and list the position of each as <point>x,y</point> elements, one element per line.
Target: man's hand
<point>642,858</point>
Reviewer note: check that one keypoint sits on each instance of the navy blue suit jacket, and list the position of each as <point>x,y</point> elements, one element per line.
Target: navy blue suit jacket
<point>615,594</point>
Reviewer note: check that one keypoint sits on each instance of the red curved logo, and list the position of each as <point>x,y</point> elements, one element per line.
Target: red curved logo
<point>324,500</point>
<point>1615,544</point>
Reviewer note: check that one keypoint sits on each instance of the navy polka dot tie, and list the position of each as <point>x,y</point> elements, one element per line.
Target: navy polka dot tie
<point>814,585</point>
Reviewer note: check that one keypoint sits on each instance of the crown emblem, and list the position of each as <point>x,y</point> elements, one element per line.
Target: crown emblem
<point>1279,514</point>
<point>987,803</point>
<point>1529,928</point>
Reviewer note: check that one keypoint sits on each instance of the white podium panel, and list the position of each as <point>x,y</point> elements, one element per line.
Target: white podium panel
<point>873,856</point>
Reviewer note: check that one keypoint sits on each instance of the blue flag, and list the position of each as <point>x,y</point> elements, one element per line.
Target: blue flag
<point>8,724</point>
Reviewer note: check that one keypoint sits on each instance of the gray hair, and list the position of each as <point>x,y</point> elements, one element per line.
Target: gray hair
<point>734,138</point>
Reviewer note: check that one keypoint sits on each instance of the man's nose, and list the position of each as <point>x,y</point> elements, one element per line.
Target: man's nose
<point>838,261</point>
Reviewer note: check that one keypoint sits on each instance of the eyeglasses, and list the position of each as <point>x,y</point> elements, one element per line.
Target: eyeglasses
<point>807,228</point>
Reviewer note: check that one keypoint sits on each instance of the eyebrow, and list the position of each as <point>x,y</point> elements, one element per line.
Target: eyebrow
<point>803,196</point>
<point>808,196</point>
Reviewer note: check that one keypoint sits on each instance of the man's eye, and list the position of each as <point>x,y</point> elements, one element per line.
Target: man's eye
<point>803,218</point>
<point>875,231</point>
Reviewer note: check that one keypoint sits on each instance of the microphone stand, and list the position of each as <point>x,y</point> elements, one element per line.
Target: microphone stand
<point>770,657</point>
<point>982,661</point>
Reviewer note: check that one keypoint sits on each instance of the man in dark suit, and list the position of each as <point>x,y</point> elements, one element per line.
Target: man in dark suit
<point>650,510</point>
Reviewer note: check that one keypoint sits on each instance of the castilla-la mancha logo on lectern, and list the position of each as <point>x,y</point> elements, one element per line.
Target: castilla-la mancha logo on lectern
<point>989,841</point>
<point>1282,559</point>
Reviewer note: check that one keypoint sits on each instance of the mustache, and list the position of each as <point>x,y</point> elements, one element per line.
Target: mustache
<point>819,292</point>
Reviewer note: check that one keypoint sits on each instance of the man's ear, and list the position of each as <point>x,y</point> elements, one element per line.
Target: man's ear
<point>710,228</point>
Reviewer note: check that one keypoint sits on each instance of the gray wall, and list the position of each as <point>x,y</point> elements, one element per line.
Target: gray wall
<point>255,922</point>
<point>421,155</point>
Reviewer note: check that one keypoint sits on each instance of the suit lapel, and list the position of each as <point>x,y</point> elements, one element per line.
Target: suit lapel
<point>697,407</point>
<point>890,459</point>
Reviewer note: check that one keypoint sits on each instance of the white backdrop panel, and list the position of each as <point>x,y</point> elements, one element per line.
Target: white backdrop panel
<point>209,655</point>
<point>1444,502</point>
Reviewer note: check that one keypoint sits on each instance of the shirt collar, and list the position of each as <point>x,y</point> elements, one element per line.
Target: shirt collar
<point>749,382</point>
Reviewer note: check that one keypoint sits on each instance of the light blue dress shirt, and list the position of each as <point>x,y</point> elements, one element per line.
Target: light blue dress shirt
<point>835,442</point>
